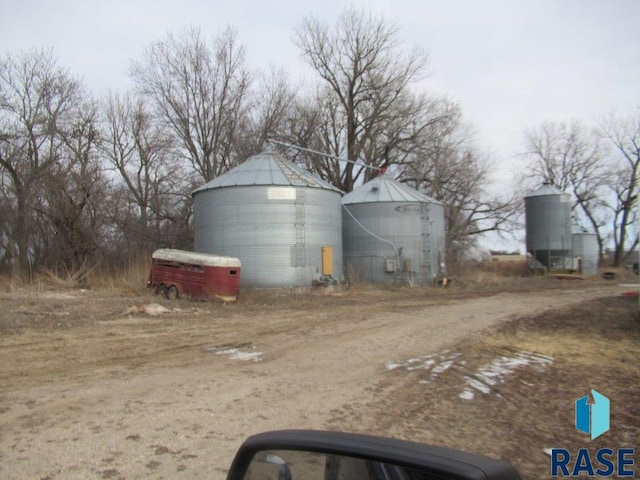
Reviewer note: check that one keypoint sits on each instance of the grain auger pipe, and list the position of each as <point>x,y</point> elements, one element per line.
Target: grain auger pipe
<point>296,147</point>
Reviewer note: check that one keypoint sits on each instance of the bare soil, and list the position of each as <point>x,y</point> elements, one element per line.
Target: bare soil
<point>93,386</point>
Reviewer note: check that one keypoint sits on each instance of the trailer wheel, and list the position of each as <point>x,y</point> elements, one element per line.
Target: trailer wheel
<point>172,293</point>
<point>162,291</point>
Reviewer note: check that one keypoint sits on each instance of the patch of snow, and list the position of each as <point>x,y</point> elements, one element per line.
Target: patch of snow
<point>228,351</point>
<point>419,363</point>
<point>486,377</point>
<point>246,356</point>
<point>423,366</point>
<point>483,380</point>
<point>466,395</point>
<point>501,367</point>
<point>541,356</point>
<point>413,360</point>
<point>435,364</point>
<point>443,367</point>
<point>477,384</point>
<point>392,366</point>
<point>237,354</point>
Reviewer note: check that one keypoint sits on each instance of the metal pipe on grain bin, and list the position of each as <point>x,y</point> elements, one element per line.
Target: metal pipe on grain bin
<point>177,273</point>
<point>333,157</point>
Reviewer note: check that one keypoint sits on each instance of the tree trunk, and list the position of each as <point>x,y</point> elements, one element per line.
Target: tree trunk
<point>21,267</point>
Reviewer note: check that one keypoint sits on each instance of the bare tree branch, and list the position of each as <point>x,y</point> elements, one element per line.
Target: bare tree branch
<point>367,76</point>
<point>623,132</point>
<point>199,91</point>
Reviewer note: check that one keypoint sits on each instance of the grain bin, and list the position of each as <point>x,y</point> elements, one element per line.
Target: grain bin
<point>585,250</point>
<point>392,233</point>
<point>283,223</point>
<point>548,219</point>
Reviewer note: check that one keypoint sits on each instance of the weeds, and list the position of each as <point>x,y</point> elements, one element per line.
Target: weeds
<point>128,279</point>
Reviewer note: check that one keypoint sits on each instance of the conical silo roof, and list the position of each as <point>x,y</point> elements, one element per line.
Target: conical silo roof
<point>267,168</point>
<point>544,190</point>
<point>385,189</point>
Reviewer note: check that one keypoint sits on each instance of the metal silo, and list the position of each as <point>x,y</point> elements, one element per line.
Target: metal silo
<point>283,223</point>
<point>548,219</point>
<point>392,233</point>
<point>585,250</point>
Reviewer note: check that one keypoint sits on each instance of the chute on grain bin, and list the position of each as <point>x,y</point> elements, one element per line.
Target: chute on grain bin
<point>282,222</point>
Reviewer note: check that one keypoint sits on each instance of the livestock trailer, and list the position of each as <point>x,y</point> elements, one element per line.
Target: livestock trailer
<point>176,273</point>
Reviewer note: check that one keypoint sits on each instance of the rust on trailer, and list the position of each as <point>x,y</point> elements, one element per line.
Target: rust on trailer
<point>176,273</point>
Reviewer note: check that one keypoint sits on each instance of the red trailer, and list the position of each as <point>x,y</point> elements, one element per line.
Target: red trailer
<point>176,273</point>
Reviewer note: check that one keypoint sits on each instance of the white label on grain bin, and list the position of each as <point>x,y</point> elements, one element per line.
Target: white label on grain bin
<point>281,193</point>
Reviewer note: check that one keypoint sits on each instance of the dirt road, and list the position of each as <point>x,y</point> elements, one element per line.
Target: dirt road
<point>88,390</point>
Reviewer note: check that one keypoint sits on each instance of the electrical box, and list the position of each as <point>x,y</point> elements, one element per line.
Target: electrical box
<point>390,266</point>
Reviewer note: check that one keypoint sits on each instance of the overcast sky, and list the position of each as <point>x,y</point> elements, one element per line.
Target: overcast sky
<point>509,64</point>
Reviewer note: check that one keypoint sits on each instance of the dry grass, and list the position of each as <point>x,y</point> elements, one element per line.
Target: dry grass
<point>497,269</point>
<point>470,280</point>
<point>129,279</point>
<point>497,276</point>
<point>507,275</point>
<point>353,274</point>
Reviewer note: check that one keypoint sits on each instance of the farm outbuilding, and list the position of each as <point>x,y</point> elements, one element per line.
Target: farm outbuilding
<point>282,222</point>
<point>392,233</point>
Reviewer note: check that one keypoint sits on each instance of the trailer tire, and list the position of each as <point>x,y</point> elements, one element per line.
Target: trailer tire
<point>172,293</point>
<point>162,291</point>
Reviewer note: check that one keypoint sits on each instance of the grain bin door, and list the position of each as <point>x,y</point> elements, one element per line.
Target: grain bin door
<point>327,261</point>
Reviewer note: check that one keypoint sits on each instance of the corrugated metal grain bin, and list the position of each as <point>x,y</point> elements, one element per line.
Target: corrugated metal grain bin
<point>585,249</point>
<point>276,218</point>
<point>548,219</point>
<point>392,233</point>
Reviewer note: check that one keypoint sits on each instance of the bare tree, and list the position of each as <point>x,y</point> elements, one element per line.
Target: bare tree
<point>572,158</point>
<point>199,92</point>
<point>448,168</point>
<point>270,105</point>
<point>36,99</point>
<point>6,208</point>
<point>367,77</point>
<point>142,154</point>
<point>73,209</point>
<point>315,124</point>
<point>624,135</point>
